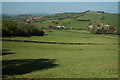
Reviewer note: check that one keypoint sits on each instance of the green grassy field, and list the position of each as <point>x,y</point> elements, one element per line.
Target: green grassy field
<point>111,19</point>
<point>25,60</point>
<point>74,36</point>
<point>36,60</point>
<point>39,60</point>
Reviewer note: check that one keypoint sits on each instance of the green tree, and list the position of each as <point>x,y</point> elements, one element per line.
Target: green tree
<point>9,28</point>
<point>29,30</point>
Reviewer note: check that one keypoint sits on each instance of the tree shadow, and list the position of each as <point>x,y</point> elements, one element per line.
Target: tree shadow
<point>18,67</point>
<point>6,52</point>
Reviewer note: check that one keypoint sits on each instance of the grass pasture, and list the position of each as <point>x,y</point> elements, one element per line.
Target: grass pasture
<point>72,22</point>
<point>49,59</point>
<point>73,36</point>
<point>111,19</point>
<point>59,61</point>
<point>37,60</point>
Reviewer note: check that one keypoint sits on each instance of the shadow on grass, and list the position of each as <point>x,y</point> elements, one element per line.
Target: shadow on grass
<point>18,67</point>
<point>6,52</point>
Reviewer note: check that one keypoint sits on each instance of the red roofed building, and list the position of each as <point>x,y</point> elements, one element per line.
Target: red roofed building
<point>38,18</point>
<point>34,18</point>
<point>29,19</point>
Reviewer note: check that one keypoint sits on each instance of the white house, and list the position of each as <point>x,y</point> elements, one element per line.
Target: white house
<point>26,23</point>
<point>106,25</point>
<point>60,26</point>
<point>63,26</point>
<point>90,26</point>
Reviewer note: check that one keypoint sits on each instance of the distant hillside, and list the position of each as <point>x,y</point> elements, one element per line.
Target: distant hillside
<point>79,20</point>
<point>40,14</point>
<point>23,16</point>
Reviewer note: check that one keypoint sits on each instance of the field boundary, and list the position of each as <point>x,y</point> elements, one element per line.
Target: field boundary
<point>58,42</point>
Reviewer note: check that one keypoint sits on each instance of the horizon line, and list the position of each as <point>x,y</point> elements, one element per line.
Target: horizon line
<point>52,13</point>
<point>60,1</point>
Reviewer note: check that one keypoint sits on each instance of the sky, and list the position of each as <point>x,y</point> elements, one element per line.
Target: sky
<point>57,7</point>
<point>60,0</point>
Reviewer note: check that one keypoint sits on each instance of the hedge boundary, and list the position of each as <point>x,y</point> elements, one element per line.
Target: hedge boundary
<point>58,42</point>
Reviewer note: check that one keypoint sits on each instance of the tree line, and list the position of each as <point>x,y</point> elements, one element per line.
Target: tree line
<point>11,28</point>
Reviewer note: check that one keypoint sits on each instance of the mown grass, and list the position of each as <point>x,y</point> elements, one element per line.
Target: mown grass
<point>68,61</point>
<point>111,19</point>
<point>43,24</point>
<point>73,36</point>
<point>76,24</point>
<point>93,16</point>
<point>36,60</point>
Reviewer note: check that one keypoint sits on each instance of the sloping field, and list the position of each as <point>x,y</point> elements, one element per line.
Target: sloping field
<point>71,36</point>
<point>33,60</point>
<point>71,22</point>
<point>36,60</point>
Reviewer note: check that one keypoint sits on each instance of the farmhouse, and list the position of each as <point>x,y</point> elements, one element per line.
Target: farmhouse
<point>60,26</point>
<point>106,25</point>
<point>97,26</point>
<point>90,26</point>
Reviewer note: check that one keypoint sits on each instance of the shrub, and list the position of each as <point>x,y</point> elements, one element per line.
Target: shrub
<point>29,30</point>
<point>111,29</point>
<point>103,30</point>
<point>117,32</point>
<point>9,28</point>
<point>23,33</point>
<point>37,32</point>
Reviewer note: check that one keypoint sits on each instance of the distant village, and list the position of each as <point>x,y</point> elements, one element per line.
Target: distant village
<point>36,18</point>
<point>97,27</point>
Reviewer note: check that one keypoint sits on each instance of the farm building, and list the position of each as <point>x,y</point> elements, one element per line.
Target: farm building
<point>106,25</point>
<point>35,18</point>
<point>90,26</point>
<point>60,26</point>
